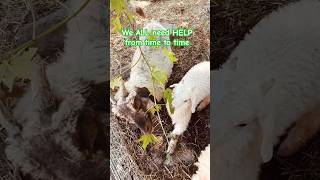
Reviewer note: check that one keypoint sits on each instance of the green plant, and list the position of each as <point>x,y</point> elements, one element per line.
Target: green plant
<point>18,66</point>
<point>159,77</point>
<point>147,139</point>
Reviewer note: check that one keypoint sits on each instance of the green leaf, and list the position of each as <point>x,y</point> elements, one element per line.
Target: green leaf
<point>152,37</point>
<point>22,65</point>
<point>151,92</point>
<point>117,27</point>
<point>147,139</point>
<point>167,96</point>
<point>159,76</point>
<point>118,5</point>
<point>124,15</point>
<point>170,55</point>
<point>7,77</point>
<point>116,82</point>
<point>155,108</point>
<point>130,15</point>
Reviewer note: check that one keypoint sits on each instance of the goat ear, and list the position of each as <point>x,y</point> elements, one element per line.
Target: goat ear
<point>267,126</point>
<point>140,12</point>
<point>267,85</point>
<point>137,103</point>
<point>146,103</point>
<point>143,121</point>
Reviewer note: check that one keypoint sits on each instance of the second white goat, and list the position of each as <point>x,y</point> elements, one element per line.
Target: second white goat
<point>194,88</point>
<point>203,172</point>
<point>268,83</point>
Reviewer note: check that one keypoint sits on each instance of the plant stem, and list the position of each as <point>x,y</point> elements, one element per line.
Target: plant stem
<point>154,89</point>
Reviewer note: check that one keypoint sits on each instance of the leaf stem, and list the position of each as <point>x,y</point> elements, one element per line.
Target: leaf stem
<point>154,98</point>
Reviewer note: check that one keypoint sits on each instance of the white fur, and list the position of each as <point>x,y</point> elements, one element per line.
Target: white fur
<point>181,117</point>
<point>239,158</point>
<point>133,6</point>
<point>270,79</point>
<point>203,172</point>
<point>193,88</point>
<point>188,93</point>
<point>85,48</point>
<point>140,75</point>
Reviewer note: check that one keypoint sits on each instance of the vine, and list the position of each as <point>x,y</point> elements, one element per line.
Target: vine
<point>19,64</point>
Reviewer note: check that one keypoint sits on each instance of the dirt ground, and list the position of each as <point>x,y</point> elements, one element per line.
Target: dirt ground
<point>232,19</point>
<point>185,14</point>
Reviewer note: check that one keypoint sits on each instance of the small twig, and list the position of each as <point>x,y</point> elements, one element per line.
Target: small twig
<point>63,5</point>
<point>29,6</point>
<point>186,174</point>
<point>168,171</point>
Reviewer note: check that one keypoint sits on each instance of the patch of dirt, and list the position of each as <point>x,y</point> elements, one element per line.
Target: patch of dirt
<point>185,14</point>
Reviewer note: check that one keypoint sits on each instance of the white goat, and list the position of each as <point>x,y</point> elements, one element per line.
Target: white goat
<point>203,172</point>
<point>239,158</point>
<point>268,83</point>
<point>79,50</point>
<point>133,7</point>
<point>140,76</point>
<point>187,94</point>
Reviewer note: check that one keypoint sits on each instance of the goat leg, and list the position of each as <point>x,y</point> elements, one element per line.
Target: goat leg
<point>204,103</point>
<point>305,128</point>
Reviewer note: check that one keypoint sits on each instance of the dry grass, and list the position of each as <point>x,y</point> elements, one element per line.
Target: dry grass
<point>232,19</point>
<point>181,13</point>
<point>305,165</point>
<point>16,13</point>
<point>120,160</point>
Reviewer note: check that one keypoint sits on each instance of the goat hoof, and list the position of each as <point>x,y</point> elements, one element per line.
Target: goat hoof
<point>168,160</point>
<point>172,136</point>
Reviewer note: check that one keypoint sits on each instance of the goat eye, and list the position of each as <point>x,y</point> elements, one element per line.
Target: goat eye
<point>242,125</point>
